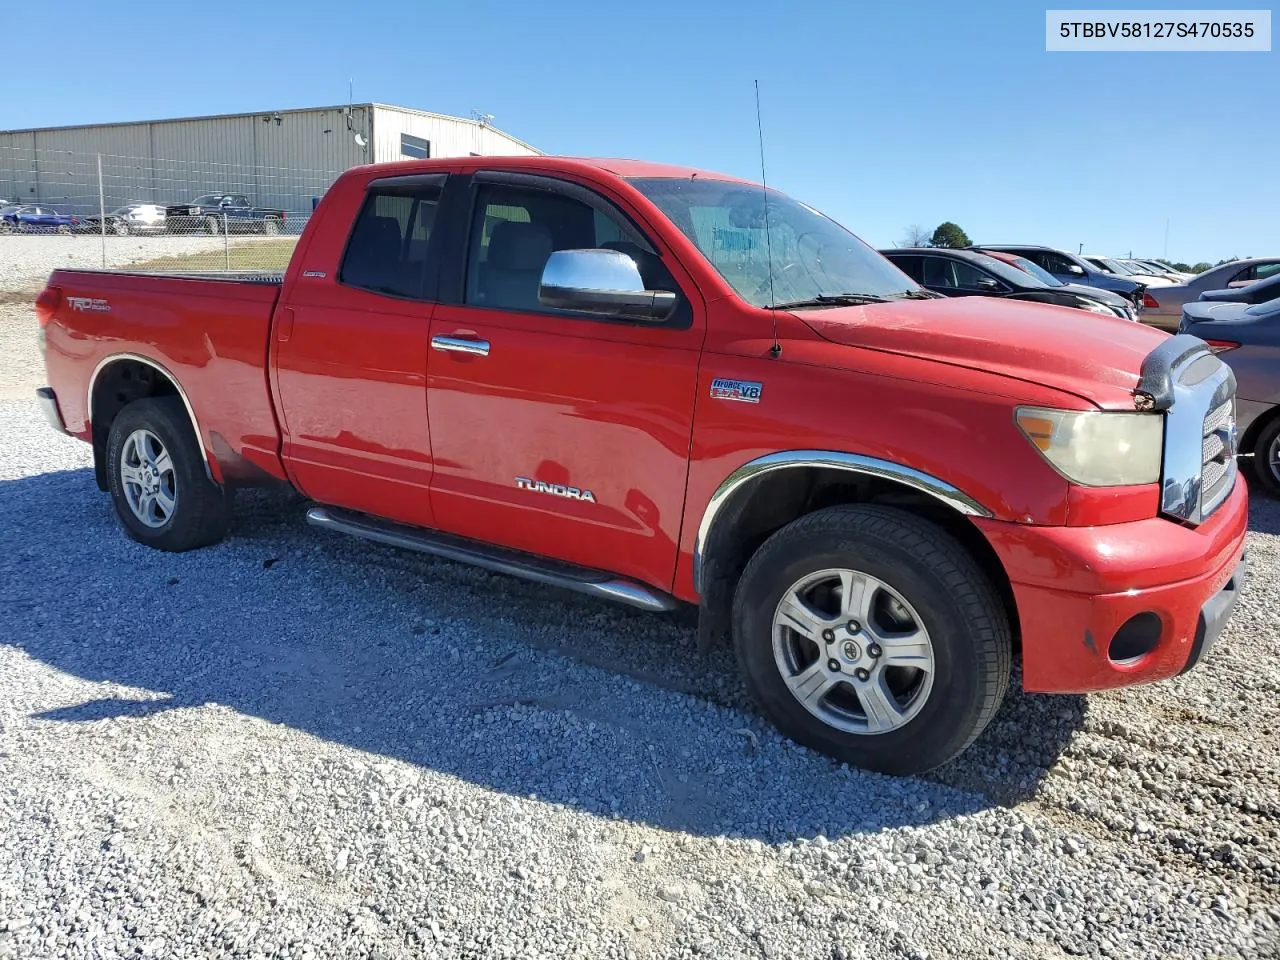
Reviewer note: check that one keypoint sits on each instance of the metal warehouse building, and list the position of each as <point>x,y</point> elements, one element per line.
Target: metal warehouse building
<point>278,158</point>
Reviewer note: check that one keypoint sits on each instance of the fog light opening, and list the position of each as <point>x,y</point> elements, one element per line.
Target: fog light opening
<point>1136,638</point>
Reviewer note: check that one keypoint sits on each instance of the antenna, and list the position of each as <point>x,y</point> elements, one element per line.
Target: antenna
<point>776,348</point>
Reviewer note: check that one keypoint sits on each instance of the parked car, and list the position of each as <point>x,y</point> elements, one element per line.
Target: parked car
<point>1247,337</point>
<point>1120,306</point>
<point>588,373</point>
<point>1070,268</point>
<point>967,273</point>
<point>1165,307</point>
<point>36,218</point>
<point>1160,269</point>
<point>1260,291</point>
<point>1117,268</point>
<point>218,212</point>
<point>130,218</point>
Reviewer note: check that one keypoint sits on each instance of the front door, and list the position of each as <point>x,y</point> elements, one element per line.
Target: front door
<point>350,360</point>
<point>560,433</point>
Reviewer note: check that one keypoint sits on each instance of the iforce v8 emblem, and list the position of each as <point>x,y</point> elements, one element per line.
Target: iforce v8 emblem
<point>555,489</point>
<point>746,391</point>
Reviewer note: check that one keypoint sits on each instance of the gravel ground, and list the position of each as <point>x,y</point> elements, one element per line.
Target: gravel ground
<point>26,260</point>
<point>295,745</point>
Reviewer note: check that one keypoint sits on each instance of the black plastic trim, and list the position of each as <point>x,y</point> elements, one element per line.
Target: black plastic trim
<point>1215,614</point>
<point>1156,376</point>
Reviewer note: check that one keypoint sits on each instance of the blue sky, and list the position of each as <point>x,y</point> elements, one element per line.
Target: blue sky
<point>880,114</point>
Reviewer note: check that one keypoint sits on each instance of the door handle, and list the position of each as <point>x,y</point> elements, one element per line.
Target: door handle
<point>478,348</point>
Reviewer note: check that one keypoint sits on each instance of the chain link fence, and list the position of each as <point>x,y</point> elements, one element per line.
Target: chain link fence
<point>155,215</point>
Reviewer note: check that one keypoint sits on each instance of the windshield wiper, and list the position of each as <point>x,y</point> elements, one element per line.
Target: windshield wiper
<point>830,300</point>
<point>917,295</point>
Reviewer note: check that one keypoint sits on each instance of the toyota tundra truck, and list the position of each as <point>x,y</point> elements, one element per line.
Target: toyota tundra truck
<point>662,386</point>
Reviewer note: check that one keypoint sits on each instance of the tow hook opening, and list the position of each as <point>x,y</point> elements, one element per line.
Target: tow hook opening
<point>1136,637</point>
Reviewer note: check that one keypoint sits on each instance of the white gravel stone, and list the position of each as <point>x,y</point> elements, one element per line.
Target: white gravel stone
<point>191,744</point>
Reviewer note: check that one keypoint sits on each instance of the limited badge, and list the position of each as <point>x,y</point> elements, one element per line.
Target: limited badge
<point>746,391</point>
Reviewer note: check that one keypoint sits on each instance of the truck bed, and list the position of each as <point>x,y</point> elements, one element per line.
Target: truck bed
<point>209,333</point>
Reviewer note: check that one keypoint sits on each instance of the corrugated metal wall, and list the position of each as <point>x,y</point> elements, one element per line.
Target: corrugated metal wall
<point>287,164</point>
<point>449,137</point>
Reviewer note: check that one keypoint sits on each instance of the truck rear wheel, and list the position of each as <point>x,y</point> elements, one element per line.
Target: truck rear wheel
<point>157,478</point>
<point>212,226</point>
<point>871,635</point>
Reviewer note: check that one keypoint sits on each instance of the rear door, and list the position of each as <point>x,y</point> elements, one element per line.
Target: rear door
<point>350,359</point>
<point>557,433</point>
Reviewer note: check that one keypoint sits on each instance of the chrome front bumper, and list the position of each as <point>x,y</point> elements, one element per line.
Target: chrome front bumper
<point>49,406</point>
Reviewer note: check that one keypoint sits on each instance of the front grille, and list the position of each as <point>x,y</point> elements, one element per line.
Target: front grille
<point>1197,393</point>
<point>1218,455</point>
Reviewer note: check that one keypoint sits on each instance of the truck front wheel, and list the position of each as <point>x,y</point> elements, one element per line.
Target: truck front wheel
<point>869,634</point>
<point>157,478</point>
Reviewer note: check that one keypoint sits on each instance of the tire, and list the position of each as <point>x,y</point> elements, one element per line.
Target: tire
<point>270,226</point>
<point>64,230</point>
<point>960,652</point>
<point>211,226</point>
<point>197,511</point>
<point>120,229</point>
<point>1266,458</point>
<point>6,226</point>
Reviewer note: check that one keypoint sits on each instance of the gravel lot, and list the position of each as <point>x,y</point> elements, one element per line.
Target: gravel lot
<point>26,260</point>
<point>295,745</point>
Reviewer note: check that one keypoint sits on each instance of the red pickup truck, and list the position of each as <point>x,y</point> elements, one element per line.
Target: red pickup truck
<point>665,386</point>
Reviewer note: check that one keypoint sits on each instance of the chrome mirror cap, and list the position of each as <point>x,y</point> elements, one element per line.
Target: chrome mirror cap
<point>602,282</point>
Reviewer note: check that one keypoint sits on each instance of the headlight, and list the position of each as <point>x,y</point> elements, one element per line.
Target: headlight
<point>1097,448</point>
<point>1096,306</point>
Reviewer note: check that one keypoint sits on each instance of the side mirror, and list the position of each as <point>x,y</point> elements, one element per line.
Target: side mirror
<point>988,283</point>
<point>1075,270</point>
<point>601,281</point>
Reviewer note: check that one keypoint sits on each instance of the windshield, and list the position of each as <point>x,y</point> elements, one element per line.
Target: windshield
<point>1008,273</point>
<point>120,211</point>
<point>813,256</point>
<point>1115,266</point>
<point>1039,272</point>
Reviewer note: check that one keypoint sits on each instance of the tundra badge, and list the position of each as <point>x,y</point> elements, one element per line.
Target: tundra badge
<point>555,489</point>
<point>747,391</point>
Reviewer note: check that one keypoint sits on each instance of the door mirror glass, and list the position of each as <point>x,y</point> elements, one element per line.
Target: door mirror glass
<point>988,283</point>
<point>602,282</point>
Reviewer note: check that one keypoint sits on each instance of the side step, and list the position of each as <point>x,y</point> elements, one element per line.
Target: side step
<point>594,583</point>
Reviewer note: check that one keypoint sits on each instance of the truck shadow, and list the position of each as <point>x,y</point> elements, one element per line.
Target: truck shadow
<point>504,684</point>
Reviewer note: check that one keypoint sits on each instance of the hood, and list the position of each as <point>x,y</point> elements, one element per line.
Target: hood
<point>1090,355</point>
<point>1109,297</point>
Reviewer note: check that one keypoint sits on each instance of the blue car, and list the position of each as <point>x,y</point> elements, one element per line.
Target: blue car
<point>34,218</point>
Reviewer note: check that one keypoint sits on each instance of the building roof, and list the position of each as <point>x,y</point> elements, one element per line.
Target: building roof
<point>271,113</point>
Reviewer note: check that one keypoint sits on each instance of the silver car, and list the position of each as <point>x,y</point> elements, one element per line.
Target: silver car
<point>1247,338</point>
<point>1169,300</point>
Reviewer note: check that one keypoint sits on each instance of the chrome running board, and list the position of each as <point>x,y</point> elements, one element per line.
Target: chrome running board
<point>593,583</point>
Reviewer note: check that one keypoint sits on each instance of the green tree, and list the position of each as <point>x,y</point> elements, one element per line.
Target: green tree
<point>949,235</point>
<point>1201,267</point>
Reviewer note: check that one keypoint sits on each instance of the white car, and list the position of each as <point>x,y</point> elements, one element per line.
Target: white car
<point>1158,269</point>
<point>1120,270</point>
